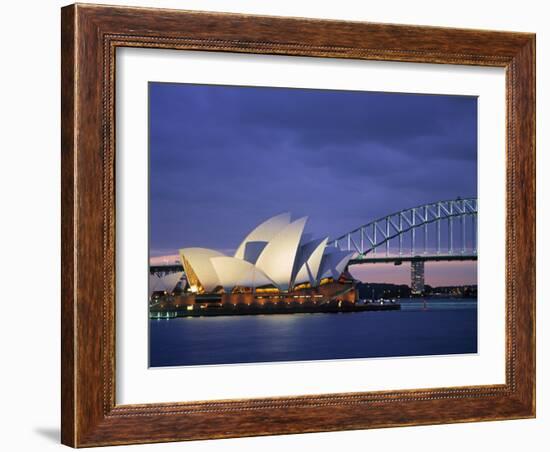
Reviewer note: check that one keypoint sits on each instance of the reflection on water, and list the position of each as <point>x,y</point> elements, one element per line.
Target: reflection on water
<point>415,304</point>
<point>422,327</point>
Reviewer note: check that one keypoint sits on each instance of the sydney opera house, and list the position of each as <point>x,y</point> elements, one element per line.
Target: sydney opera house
<point>276,263</point>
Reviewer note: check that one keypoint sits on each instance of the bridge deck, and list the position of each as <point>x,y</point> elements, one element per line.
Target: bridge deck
<point>360,260</point>
<point>419,258</point>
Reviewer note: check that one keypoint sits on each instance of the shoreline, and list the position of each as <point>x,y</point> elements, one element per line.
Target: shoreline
<point>239,310</point>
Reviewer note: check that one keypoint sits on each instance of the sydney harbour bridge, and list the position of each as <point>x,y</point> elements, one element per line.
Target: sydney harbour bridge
<point>438,231</point>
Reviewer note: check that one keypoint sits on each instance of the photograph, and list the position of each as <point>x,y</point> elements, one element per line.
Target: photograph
<point>258,228</point>
<point>296,224</point>
<point>269,226</point>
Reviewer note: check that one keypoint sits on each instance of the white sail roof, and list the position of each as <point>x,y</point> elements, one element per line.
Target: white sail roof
<point>155,284</point>
<point>308,261</point>
<point>255,242</point>
<point>334,263</point>
<point>170,280</point>
<point>234,272</point>
<point>277,258</point>
<point>275,253</point>
<point>200,261</point>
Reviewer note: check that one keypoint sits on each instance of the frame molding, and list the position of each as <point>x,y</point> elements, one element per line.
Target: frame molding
<point>90,35</point>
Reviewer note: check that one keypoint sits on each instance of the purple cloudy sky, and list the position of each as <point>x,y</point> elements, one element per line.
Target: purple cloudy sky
<point>225,158</point>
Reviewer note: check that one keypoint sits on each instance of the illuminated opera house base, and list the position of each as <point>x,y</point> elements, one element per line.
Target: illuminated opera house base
<point>275,269</point>
<point>329,297</point>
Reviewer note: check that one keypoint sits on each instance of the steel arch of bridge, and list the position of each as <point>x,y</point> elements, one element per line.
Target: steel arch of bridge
<point>377,234</point>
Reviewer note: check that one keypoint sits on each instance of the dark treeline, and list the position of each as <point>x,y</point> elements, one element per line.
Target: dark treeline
<point>386,290</point>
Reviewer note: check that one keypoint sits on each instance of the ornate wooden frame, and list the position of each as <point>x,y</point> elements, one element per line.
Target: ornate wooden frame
<point>90,35</point>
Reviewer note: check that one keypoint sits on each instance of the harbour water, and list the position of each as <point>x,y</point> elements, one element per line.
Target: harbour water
<point>422,327</point>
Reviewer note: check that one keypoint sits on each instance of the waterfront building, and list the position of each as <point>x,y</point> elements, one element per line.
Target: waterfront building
<point>164,284</point>
<point>276,262</point>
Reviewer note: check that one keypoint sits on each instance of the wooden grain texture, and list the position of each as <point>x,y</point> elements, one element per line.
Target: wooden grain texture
<point>67,224</point>
<point>90,36</point>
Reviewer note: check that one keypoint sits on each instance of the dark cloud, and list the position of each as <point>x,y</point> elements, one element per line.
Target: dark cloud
<point>224,158</point>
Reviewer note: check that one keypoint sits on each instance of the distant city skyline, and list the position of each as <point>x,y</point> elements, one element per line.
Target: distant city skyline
<point>224,158</point>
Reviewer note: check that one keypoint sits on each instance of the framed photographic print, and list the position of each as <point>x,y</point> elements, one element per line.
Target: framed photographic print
<point>281,225</point>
